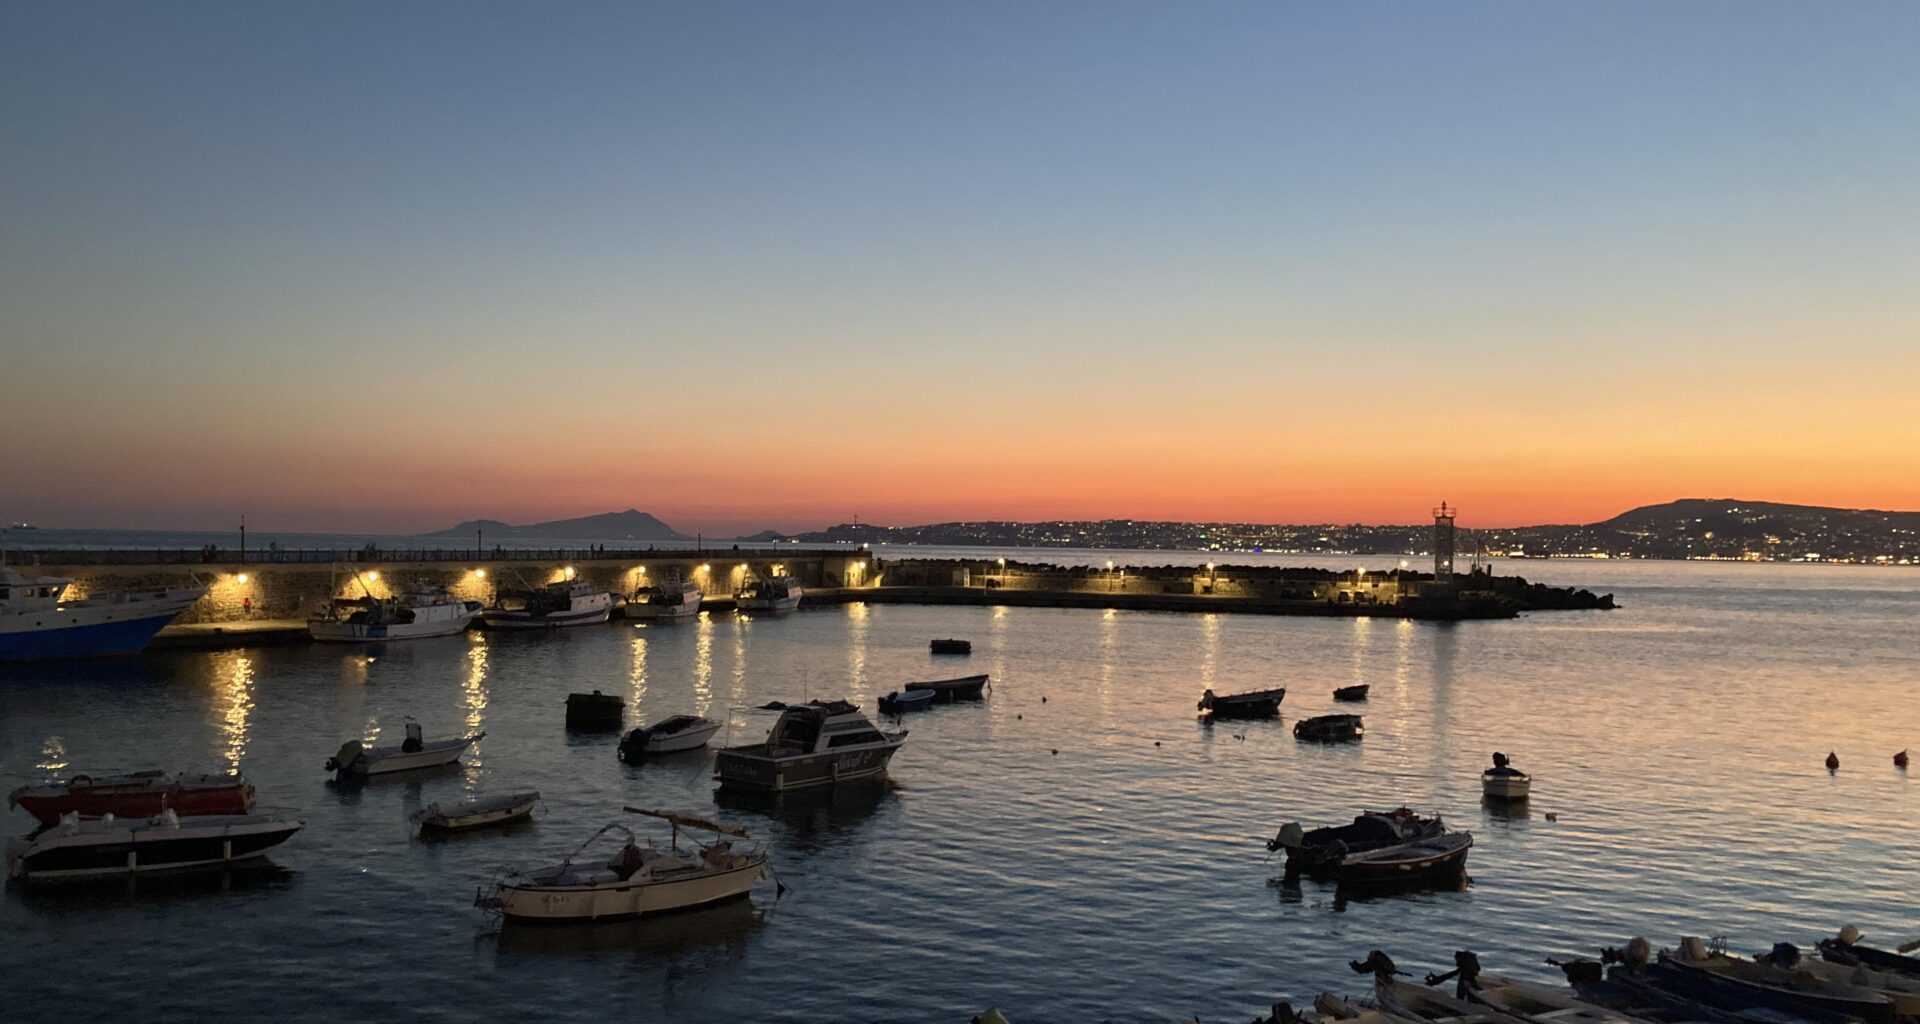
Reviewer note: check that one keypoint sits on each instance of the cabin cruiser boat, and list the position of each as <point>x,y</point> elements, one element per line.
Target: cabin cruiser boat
<point>1505,782</point>
<point>1252,704</point>
<point>479,812</point>
<point>420,613</point>
<point>356,761</point>
<point>36,622</point>
<point>1319,851</point>
<point>667,601</point>
<point>135,795</point>
<point>668,736</point>
<point>556,604</point>
<point>120,846</point>
<point>636,880</point>
<point>817,743</point>
<point>779,594</point>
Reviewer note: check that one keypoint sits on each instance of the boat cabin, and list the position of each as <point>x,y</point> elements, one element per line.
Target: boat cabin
<point>817,727</point>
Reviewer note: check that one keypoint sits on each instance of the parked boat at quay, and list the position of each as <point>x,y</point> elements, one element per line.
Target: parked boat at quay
<point>427,612</point>
<point>665,601</point>
<point>1330,728</point>
<point>134,795</point>
<point>1252,704</point>
<point>554,605</point>
<point>635,881</point>
<point>946,691</point>
<point>779,594</point>
<point>1319,851</point>
<point>37,622</point>
<point>1845,948</point>
<point>672,735</point>
<point>479,812</point>
<point>1711,976</point>
<point>356,761</point>
<point>1505,782</point>
<point>818,743</point>
<point>74,848</point>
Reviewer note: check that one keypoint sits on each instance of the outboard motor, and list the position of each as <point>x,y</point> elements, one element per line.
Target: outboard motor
<point>1290,837</point>
<point>414,742</point>
<point>348,754</point>
<point>1784,955</point>
<point>1378,964</point>
<point>633,746</point>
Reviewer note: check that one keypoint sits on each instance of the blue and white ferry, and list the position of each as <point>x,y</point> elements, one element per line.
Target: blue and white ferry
<point>37,623</point>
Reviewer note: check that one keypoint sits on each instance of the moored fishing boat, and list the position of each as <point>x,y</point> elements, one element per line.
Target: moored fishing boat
<point>946,691</point>
<point>668,736</point>
<point>426,612</point>
<point>1505,782</point>
<point>354,760</point>
<point>1902,989</point>
<point>1845,948</point>
<point>37,622</point>
<point>813,744</point>
<point>899,702</point>
<point>1425,859</point>
<point>665,601</point>
<point>1252,704</point>
<point>134,795</point>
<point>1713,976</point>
<point>73,848</point>
<point>1330,728</point>
<point>1410,1002</point>
<point>479,812</point>
<point>779,594</point>
<point>635,881</point>
<point>1352,693</point>
<point>1319,851</point>
<point>951,646</point>
<point>554,605</point>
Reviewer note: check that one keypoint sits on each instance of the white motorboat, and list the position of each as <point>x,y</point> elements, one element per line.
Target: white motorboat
<point>1505,782</point>
<point>635,881</point>
<point>479,812</point>
<point>668,736</point>
<point>779,594</point>
<point>557,604</point>
<point>667,601</point>
<point>120,846</point>
<point>812,744</point>
<point>37,622</point>
<point>357,761</point>
<point>430,611</point>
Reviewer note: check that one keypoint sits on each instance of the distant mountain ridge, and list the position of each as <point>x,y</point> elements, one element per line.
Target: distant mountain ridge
<point>632,524</point>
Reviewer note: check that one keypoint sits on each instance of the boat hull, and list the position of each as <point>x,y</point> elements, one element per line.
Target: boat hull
<point>946,691</point>
<point>551,620</point>
<point>624,900</point>
<point>647,610</point>
<point>687,739</point>
<point>476,820</point>
<point>769,604</point>
<point>1417,863</point>
<point>138,851</point>
<point>753,768</point>
<point>391,760</point>
<point>327,631</point>
<point>1506,787</point>
<point>92,636</point>
<point>137,803</point>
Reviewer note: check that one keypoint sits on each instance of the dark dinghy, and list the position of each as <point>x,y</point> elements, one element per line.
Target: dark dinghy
<point>1712,977</point>
<point>1352,693</point>
<point>594,712</point>
<point>1429,859</point>
<point>946,691</point>
<point>951,646</point>
<point>1330,728</point>
<point>1845,949</point>
<point>1252,704</point>
<point>1320,851</point>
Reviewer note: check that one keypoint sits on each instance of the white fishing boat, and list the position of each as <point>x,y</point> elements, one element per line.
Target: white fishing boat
<point>668,736</point>
<point>812,744</point>
<point>548,607</point>
<point>635,881</point>
<point>667,601</point>
<point>429,611</point>
<point>779,594</point>
<point>1505,782</point>
<point>357,761</point>
<point>37,622</point>
<point>479,812</point>
<point>120,846</point>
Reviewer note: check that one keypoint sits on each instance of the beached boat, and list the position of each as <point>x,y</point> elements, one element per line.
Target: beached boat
<point>590,712</point>
<point>1319,851</point>
<point>1426,859</point>
<point>946,691</point>
<point>1416,1003</point>
<point>1330,728</point>
<point>1845,948</point>
<point>899,703</point>
<point>1902,989</point>
<point>415,614</point>
<point>1540,1004</point>
<point>668,736</point>
<point>1505,782</point>
<point>779,594</point>
<point>635,881</point>
<point>74,848</point>
<point>38,623</point>
<point>134,795</point>
<point>479,812</point>
<point>951,646</point>
<point>666,601</point>
<point>1252,704</point>
<point>813,744</point>
<point>1708,975</point>
<point>549,607</point>
<point>356,761</point>
<point>1352,693</point>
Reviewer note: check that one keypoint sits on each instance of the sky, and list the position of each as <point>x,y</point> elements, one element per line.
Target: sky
<point>385,267</point>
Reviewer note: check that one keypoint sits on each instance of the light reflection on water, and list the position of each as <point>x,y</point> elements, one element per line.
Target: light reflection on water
<point>1678,742</point>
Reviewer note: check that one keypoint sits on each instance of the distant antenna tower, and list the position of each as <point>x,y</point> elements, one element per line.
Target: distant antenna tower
<point>1443,543</point>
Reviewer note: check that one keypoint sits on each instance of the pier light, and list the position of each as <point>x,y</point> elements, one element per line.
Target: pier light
<point>242,577</point>
<point>1403,563</point>
<point>1209,566</point>
<point>374,576</point>
<point>705,568</point>
<point>569,572</point>
<point>642,570</point>
<point>481,573</point>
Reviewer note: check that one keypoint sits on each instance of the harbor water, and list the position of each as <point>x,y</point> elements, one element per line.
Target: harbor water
<point>1076,847</point>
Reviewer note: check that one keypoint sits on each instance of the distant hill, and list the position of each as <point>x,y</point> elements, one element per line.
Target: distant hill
<point>632,524</point>
<point>765,537</point>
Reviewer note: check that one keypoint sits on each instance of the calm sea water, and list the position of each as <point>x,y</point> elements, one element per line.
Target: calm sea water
<point>1075,848</point>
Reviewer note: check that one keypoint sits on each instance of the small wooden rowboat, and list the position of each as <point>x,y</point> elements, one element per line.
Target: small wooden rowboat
<point>1330,728</point>
<point>479,812</point>
<point>1252,704</point>
<point>899,703</point>
<point>952,646</point>
<point>1352,692</point>
<point>1425,859</point>
<point>946,691</point>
